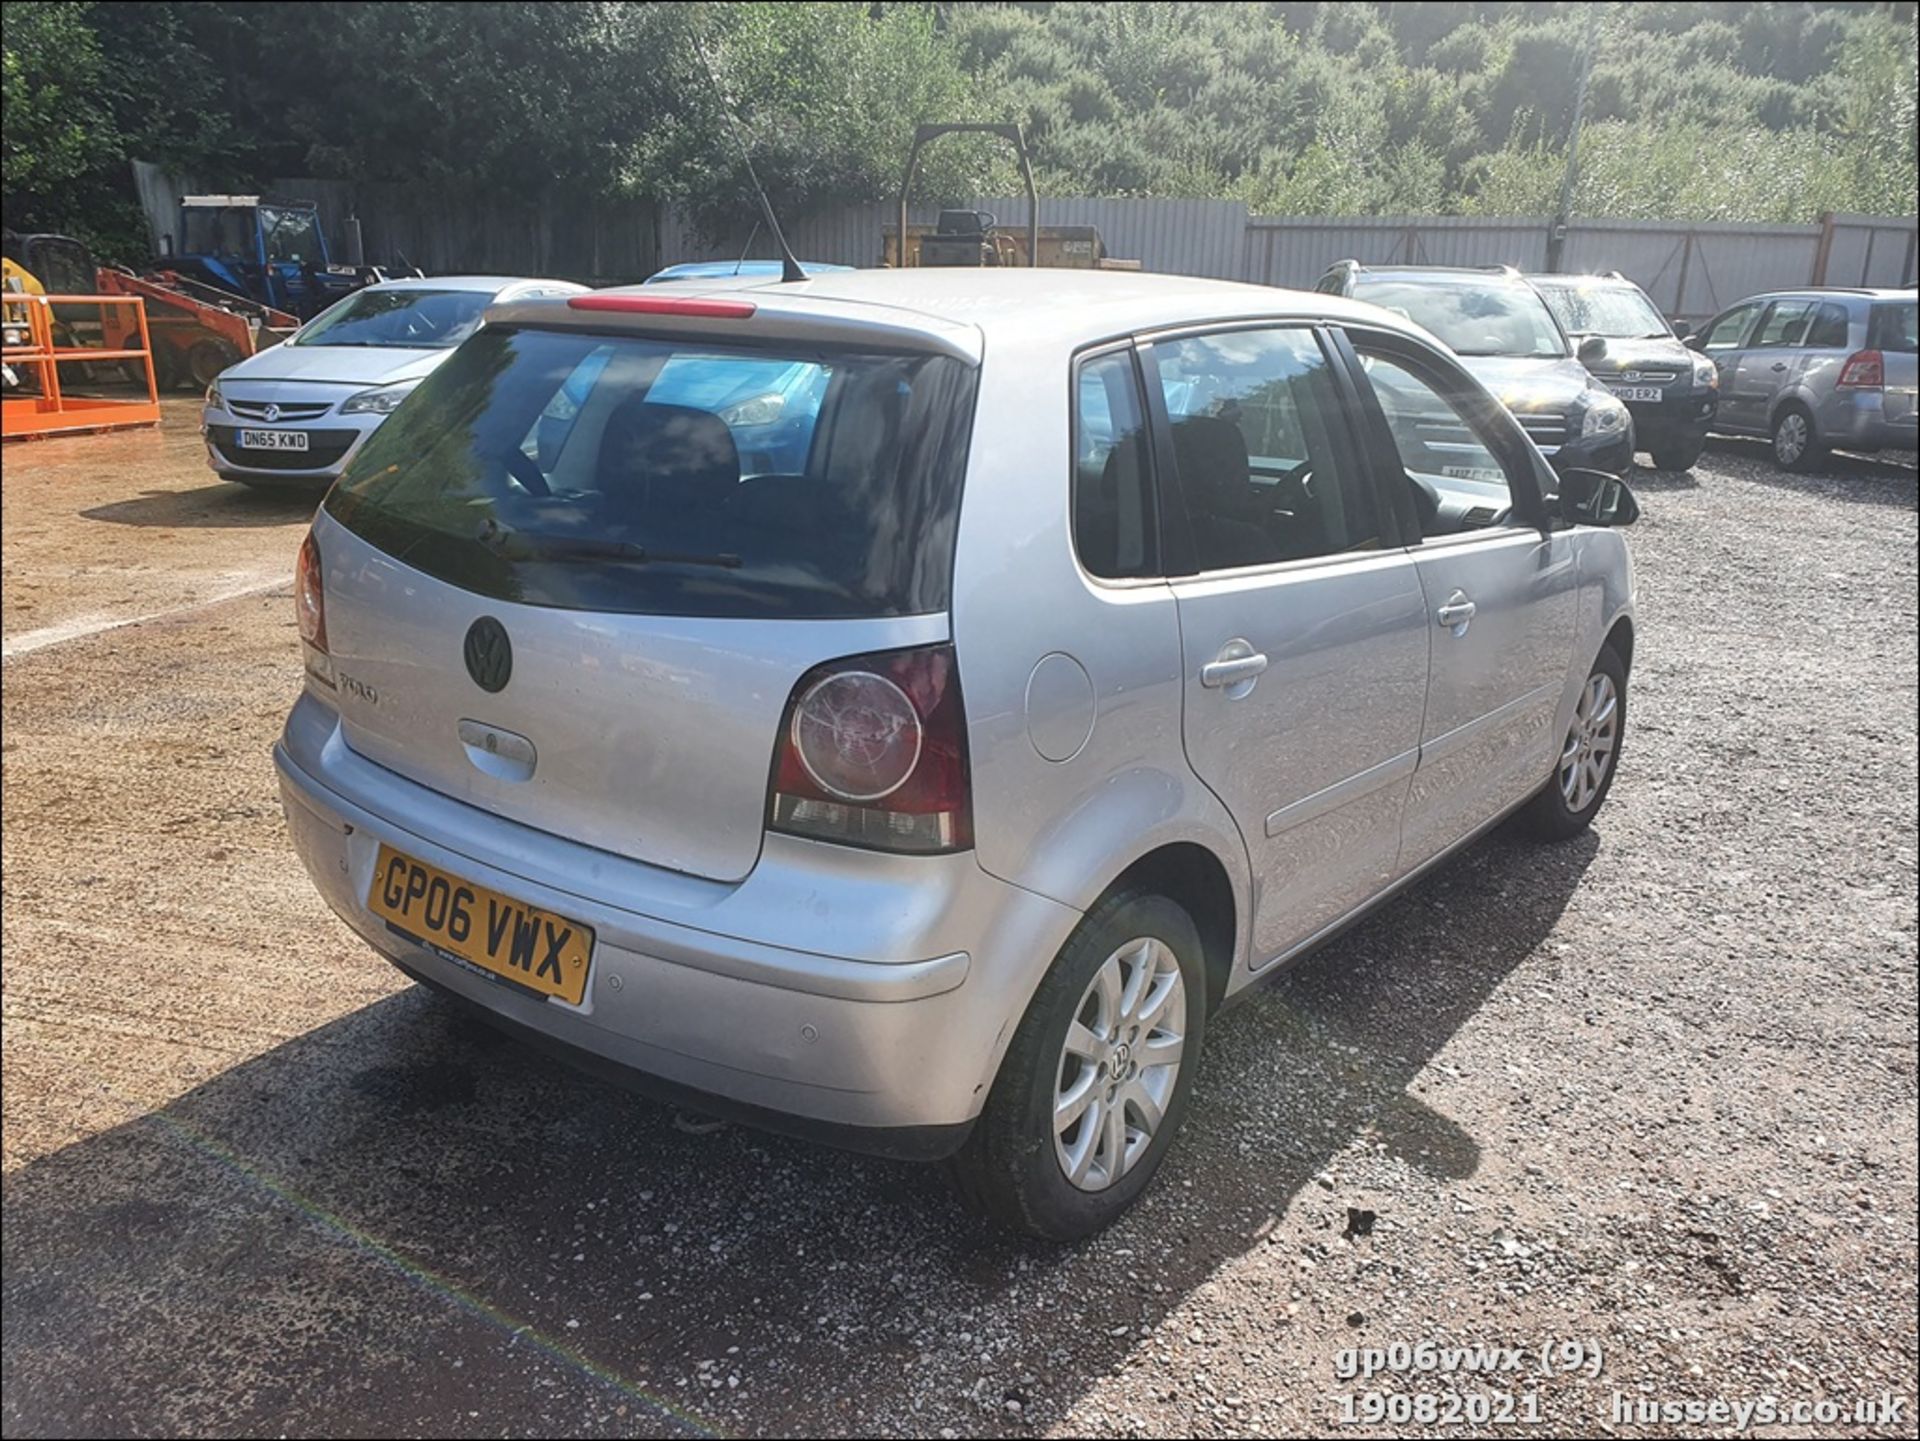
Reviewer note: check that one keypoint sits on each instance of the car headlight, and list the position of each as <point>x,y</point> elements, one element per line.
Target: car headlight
<point>1706,375</point>
<point>215,398</point>
<point>377,402</point>
<point>1605,416</point>
<point>757,410</point>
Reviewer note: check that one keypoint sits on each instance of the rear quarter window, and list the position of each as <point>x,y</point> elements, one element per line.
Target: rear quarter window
<point>652,476</point>
<point>1892,326</point>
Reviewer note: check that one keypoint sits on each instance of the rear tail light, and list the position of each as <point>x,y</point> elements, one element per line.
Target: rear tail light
<point>873,753</point>
<point>1863,370</point>
<point>310,604</point>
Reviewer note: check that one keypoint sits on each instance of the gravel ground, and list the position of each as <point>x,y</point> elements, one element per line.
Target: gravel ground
<point>1652,1091</point>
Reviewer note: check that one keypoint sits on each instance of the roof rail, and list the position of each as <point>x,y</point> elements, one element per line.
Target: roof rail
<point>1511,270</point>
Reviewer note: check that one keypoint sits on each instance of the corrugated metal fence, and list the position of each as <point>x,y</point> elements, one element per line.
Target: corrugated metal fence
<point>1297,252</point>
<point>1690,269</point>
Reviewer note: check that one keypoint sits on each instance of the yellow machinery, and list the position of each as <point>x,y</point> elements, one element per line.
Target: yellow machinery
<point>975,238</point>
<point>965,237</point>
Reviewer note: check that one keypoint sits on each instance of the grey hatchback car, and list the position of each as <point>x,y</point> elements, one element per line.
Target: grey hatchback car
<point>1816,370</point>
<point>1090,646</point>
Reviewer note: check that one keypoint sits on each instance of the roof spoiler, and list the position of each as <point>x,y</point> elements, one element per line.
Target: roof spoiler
<point>740,314</point>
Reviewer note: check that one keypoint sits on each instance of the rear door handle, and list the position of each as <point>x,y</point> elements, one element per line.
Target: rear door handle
<point>1235,670</point>
<point>1456,612</point>
<point>1779,365</point>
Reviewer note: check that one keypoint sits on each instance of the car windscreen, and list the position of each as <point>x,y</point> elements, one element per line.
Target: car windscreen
<point>673,477</point>
<point>1473,319</point>
<point>1894,325</point>
<point>410,319</point>
<point>1618,312</point>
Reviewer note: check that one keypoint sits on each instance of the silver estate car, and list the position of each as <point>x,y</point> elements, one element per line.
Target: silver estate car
<point>1815,370</point>
<point>293,415</point>
<point>901,707</point>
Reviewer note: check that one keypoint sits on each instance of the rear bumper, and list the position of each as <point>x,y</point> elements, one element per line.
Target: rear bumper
<point>1864,420</point>
<point>783,1017</point>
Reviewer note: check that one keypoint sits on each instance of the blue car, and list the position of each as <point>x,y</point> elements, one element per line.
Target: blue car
<point>768,406</point>
<point>726,269</point>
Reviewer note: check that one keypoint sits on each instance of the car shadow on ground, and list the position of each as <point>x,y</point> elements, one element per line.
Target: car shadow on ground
<point>225,504</point>
<point>403,1223</point>
<point>1888,480</point>
<point>1652,479</point>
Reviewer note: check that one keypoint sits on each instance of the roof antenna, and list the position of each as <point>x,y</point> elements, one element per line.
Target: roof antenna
<point>790,269</point>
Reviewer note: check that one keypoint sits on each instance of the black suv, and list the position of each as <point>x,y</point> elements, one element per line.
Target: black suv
<point>1672,392</point>
<point>1503,332</point>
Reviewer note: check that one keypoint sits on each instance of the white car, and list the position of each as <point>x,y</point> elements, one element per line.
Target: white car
<point>295,414</point>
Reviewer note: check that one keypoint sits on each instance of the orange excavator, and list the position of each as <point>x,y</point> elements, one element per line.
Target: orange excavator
<point>196,330</point>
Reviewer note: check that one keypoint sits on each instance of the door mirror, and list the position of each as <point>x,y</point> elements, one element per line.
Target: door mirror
<point>1694,342</point>
<point>1592,348</point>
<point>1595,497</point>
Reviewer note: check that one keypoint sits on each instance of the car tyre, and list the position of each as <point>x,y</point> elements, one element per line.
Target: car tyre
<point>1796,445</point>
<point>1014,1166</point>
<point>1679,453</point>
<point>1589,756</point>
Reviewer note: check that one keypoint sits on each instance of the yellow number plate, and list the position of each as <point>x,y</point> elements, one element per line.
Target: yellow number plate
<point>526,945</point>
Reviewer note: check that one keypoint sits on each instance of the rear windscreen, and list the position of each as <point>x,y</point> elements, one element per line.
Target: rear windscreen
<point>672,477</point>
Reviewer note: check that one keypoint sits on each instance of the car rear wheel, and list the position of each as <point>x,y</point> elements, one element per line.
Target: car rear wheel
<point>1098,1076</point>
<point>1589,756</point>
<point>1795,445</point>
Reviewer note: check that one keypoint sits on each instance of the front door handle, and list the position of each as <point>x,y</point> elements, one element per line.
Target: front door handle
<point>1234,670</point>
<point>1455,614</point>
<point>1779,365</point>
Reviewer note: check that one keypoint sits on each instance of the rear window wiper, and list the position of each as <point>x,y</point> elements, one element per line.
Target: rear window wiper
<point>513,546</point>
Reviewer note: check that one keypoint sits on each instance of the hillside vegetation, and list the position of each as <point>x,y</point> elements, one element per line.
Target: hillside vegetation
<point>1706,111</point>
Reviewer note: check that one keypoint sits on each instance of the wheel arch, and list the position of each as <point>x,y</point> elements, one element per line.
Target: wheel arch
<point>1193,877</point>
<point>1620,640</point>
<point>1796,398</point>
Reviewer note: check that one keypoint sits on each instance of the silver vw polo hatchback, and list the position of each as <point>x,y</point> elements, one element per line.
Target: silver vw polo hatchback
<point>902,707</point>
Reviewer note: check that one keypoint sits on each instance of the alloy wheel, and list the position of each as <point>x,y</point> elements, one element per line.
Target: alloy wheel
<point>1790,437</point>
<point>1591,742</point>
<point>1119,1063</point>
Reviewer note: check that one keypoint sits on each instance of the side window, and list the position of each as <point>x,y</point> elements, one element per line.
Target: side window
<point>1729,330</point>
<point>1259,438</point>
<point>1785,325</point>
<point>1457,481</point>
<point>1829,330</point>
<point>1113,528</point>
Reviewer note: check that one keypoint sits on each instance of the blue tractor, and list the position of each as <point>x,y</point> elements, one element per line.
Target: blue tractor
<point>273,252</point>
